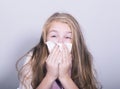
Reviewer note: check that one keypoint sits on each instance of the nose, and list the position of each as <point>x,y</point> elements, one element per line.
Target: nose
<point>60,40</point>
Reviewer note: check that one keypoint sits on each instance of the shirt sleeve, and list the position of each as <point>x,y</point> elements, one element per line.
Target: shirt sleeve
<point>28,72</point>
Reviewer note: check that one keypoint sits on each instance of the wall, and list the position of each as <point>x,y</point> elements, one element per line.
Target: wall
<point>20,29</point>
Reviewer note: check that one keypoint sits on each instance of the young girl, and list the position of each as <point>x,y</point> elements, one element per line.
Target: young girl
<point>60,60</point>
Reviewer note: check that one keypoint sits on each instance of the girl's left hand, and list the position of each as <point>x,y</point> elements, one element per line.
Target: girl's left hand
<point>66,63</point>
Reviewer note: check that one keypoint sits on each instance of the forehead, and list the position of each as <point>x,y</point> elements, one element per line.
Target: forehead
<point>59,27</point>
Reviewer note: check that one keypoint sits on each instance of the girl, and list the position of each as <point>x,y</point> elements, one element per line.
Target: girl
<point>60,60</point>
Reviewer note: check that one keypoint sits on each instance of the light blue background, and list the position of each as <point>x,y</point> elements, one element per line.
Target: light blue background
<point>20,29</point>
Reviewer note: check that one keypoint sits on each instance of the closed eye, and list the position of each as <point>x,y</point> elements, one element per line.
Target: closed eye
<point>54,36</point>
<point>68,37</point>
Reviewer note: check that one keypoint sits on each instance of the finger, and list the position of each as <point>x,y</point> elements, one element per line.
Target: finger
<point>58,58</point>
<point>55,55</point>
<point>65,52</point>
<point>54,49</point>
<point>52,53</point>
<point>65,48</point>
<point>70,62</point>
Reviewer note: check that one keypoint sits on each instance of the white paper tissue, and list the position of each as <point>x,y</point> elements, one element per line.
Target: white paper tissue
<point>51,45</point>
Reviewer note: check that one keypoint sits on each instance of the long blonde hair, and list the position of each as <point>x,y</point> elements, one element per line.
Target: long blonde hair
<point>82,72</point>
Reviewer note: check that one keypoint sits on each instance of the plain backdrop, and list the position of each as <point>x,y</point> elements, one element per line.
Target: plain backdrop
<point>20,29</point>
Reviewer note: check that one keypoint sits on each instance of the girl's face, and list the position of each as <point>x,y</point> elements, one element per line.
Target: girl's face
<point>59,32</point>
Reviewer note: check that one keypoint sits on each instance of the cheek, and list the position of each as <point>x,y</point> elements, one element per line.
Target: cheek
<point>52,39</point>
<point>67,40</point>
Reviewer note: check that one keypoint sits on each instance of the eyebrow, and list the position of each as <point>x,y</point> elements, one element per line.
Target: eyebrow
<point>52,31</point>
<point>57,31</point>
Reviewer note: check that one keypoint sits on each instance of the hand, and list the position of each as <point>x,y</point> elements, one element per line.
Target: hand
<point>52,63</point>
<point>66,63</point>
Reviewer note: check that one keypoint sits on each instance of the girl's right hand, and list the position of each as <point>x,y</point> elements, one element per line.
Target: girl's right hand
<point>52,63</point>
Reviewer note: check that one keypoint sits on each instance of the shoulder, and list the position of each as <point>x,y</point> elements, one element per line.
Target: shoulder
<point>26,72</point>
<point>28,57</point>
<point>27,65</point>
